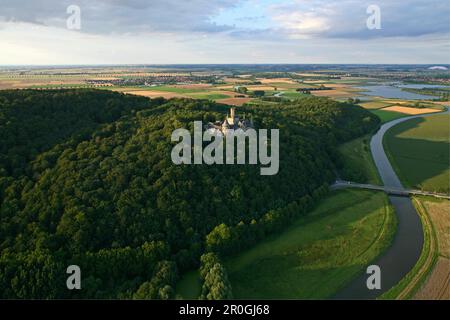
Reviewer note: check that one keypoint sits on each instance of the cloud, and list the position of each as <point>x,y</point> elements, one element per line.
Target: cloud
<point>224,31</point>
<point>119,16</point>
<point>291,19</point>
<point>347,18</point>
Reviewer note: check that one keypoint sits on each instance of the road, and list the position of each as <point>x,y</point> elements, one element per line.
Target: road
<point>407,245</point>
<point>339,184</point>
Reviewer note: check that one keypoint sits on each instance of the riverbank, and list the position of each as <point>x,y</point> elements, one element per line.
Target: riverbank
<point>407,246</point>
<point>429,279</point>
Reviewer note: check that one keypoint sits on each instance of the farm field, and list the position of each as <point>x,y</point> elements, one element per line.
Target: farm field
<point>409,110</point>
<point>312,258</point>
<point>429,278</point>
<point>419,152</point>
<point>234,101</point>
<point>334,93</point>
<point>374,104</point>
<point>437,283</point>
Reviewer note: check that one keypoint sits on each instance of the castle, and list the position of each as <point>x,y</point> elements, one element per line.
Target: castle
<point>231,122</point>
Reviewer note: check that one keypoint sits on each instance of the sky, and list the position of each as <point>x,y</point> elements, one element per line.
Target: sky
<point>51,32</point>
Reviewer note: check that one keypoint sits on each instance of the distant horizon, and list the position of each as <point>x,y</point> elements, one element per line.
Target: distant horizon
<point>223,64</point>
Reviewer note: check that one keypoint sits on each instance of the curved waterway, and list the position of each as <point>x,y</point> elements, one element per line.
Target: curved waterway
<point>407,245</point>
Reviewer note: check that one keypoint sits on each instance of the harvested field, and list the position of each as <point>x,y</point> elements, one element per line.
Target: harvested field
<point>193,86</point>
<point>409,110</point>
<point>225,87</point>
<point>314,81</point>
<point>276,80</point>
<point>437,285</point>
<point>308,74</point>
<point>442,103</point>
<point>234,80</point>
<point>439,213</point>
<point>336,85</point>
<point>234,101</point>
<point>287,86</point>
<point>374,104</point>
<point>258,87</point>
<point>26,83</point>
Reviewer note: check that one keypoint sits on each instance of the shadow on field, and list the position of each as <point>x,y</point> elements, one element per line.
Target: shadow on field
<point>316,256</point>
<point>417,161</point>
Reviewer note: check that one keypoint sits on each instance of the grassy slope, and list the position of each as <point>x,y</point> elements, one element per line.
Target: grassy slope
<point>357,162</point>
<point>387,116</point>
<point>312,259</point>
<point>419,151</point>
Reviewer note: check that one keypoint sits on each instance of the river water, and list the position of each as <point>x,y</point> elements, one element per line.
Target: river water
<point>393,92</point>
<point>407,245</point>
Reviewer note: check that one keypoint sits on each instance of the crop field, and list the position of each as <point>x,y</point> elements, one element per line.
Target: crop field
<point>437,286</point>
<point>429,278</point>
<point>234,101</point>
<point>419,151</point>
<point>312,259</point>
<point>276,81</point>
<point>409,110</point>
<point>334,93</point>
<point>374,104</point>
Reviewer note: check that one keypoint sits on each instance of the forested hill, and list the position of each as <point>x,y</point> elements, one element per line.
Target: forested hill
<point>86,178</point>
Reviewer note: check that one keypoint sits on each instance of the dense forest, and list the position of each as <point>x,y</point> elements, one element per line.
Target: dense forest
<point>86,178</point>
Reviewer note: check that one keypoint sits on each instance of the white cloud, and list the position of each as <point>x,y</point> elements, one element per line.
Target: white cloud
<point>173,31</point>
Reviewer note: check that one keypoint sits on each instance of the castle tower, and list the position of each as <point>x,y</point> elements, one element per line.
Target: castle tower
<point>232,113</point>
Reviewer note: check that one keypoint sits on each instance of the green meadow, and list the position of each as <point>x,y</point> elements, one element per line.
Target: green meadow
<point>318,254</point>
<point>209,96</point>
<point>357,162</point>
<point>419,150</point>
<point>174,89</point>
<point>387,116</point>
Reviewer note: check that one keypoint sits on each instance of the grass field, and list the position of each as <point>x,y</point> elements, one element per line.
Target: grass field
<point>419,151</point>
<point>429,278</point>
<point>175,89</point>
<point>387,116</point>
<point>292,95</point>
<point>357,161</point>
<point>318,254</point>
<point>209,96</point>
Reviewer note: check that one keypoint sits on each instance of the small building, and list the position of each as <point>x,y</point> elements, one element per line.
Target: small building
<point>231,122</point>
